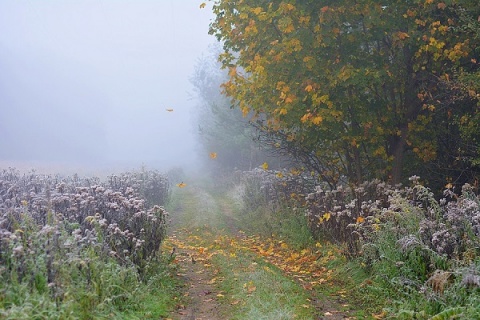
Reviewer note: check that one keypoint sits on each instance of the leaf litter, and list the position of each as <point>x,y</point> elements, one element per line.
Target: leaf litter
<point>196,246</point>
<point>306,266</point>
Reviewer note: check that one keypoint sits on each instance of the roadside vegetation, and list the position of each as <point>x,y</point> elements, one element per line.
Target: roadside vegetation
<point>371,111</point>
<point>398,251</point>
<point>81,248</point>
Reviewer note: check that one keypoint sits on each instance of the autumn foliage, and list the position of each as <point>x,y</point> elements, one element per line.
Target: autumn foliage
<point>356,90</point>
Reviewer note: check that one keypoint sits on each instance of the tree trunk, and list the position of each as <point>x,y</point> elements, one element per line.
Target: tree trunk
<point>398,153</point>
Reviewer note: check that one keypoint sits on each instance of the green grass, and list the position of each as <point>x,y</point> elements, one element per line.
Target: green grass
<point>257,290</point>
<point>252,288</point>
<point>193,207</point>
<point>112,291</point>
<point>208,215</point>
<point>350,284</point>
<point>284,224</point>
<point>157,295</point>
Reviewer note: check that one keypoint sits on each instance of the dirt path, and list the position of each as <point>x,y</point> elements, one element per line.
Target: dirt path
<point>201,295</point>
<point>202,298</point>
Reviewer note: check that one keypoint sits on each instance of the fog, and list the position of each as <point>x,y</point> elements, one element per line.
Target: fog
<point>88,83</point>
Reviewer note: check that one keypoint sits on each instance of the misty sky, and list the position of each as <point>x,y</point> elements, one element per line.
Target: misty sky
<point>89,81</point>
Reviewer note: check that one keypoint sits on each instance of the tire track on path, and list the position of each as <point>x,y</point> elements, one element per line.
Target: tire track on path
<point>201,295</point>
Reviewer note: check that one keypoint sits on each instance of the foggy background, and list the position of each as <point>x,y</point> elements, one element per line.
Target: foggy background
<point>87,83</point>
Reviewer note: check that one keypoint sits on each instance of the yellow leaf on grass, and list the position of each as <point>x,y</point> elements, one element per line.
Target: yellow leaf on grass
<point>441,5</point>
<point>360,219</point>
<point>265,166</point>
<point>257,10</point>
<point>327,216</point>
<point>381,315</point>
<point>305,117</point>
<point>289,28</point>
<point>317,120</point>
<point>251,288</point>
<point>402,35</point>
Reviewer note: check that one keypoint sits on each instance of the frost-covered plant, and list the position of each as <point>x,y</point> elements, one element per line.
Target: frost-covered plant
<point>64,238</point>
<point>150,185</point>
<point>110,216</point>
<point>454,229</point>
<point>348,214</point>
<point>352,215</point>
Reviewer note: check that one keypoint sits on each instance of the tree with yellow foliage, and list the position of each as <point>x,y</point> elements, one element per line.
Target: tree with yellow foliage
<point>355,87</point>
